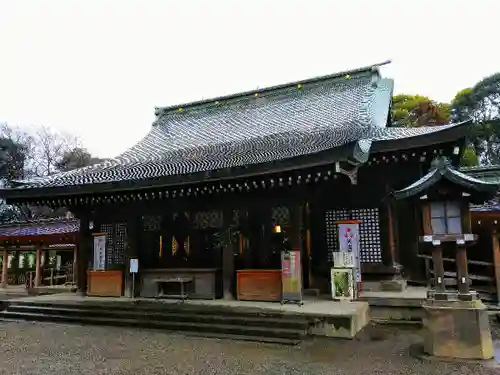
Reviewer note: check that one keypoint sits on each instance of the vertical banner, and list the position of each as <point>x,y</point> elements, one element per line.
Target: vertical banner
<point>99,252</point>
<point>349,243</point>
<point>291,276</point>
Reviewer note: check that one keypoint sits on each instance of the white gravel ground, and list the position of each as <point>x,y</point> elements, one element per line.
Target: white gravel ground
<point>56,349</point>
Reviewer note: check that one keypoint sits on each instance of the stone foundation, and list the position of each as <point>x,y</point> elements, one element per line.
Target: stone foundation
<point>344,326</point>
<point>457,329</point>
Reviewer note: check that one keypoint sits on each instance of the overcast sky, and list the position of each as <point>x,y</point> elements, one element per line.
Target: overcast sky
<point>97,68</point>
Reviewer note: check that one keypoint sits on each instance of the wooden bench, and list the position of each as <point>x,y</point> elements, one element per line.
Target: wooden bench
<point>177,280</point>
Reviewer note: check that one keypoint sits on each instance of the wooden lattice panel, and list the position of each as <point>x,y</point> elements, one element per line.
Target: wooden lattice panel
<point>208,219</point>
<point>369,232</point>
<point>151,223</point>
<point>281,215</point>
<point>116,242</point>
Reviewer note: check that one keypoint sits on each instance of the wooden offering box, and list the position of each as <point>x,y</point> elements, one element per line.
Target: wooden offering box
<point>259,285</point>
<point>105,283</point>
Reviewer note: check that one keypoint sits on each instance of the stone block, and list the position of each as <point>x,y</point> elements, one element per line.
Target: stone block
<point>457,329</point>
<point>345,325</point>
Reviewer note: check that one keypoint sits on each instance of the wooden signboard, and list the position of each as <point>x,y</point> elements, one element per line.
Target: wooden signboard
<point>291,276</point>
<point>99,252</point>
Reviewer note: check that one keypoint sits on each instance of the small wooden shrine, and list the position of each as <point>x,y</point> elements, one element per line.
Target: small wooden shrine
<point>29,247</point>
<point>198,200</point>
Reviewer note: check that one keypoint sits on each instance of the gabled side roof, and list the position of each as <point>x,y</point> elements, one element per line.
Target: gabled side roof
<point>442,170</point>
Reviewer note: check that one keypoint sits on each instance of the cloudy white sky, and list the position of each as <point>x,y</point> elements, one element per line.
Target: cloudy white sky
<point>97,68</point>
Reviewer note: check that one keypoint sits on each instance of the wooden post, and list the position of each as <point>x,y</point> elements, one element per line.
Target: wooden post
<point>38,266</point>
<point>75,257</point>
<point>496,261</point>
<point>390,234</point>
<point>5,268</point>
<point>294,235</point>
<point>228,256</point>
<point>462,270</point>
<point>437,259</point>
<point>83,253</point>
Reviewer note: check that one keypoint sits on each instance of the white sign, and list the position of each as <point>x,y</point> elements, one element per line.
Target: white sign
<point>343,259</point>
<point>58,263</point>
<point>349,242</point>
<point>134,265</point>
<point>99,252</point>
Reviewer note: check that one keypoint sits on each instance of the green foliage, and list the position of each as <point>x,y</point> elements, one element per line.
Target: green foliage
<point>76,158</point>
<point>481,103</point>
<point>469,158</point>
<point>417,110</point>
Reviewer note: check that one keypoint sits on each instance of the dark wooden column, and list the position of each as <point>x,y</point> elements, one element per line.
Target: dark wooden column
<point>228,255</point>
<point>83,254</point>
<point>294,232</point>
<point>462,270</point>
<point>132,252</point>
<point>437,260</point>
<point>5,268</point>
<point>38,265</point>
<point>496,261</point>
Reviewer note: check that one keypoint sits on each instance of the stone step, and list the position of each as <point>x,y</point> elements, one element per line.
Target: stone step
<point>177,316</point>
<point>254,328</point>
<point>146,306</point>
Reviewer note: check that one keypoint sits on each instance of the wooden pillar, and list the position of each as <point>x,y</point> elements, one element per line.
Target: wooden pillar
<point>391,239</point>
<point>75,257</point>
<point>294,233</point>
<point>308,259</point>
<point>496,261</point>
<point>134,225</point>
<point>437,260</point>
<point>38,266</point>
<point>5,268</point>
<point>84,248</point>
<point>462,270</point>
<point>228,255</point>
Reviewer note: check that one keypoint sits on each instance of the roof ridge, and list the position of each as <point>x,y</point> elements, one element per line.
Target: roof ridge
<point>159,111</point>
<point>57,220</point>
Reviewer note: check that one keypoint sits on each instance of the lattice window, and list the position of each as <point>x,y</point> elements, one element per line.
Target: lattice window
<point>208,219</point>
<point>116,242</point>
<point>280,215</point>
<point>151,223</point>
<point>369,232</point>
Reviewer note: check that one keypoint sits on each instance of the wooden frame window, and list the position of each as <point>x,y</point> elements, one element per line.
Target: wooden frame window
<point>446,217</point>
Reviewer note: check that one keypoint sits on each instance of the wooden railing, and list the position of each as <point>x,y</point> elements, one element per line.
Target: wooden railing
<point>51,276</point>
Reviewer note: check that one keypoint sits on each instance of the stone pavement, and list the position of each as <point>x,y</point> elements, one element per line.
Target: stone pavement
<point>36,348</point>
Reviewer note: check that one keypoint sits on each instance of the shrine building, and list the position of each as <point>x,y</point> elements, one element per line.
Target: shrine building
<point>202,197</point>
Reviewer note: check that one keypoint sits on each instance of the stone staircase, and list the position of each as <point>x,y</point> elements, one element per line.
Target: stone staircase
<point>219,322</point>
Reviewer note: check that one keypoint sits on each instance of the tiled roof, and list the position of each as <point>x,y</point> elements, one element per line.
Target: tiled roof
<point>283,123</point>
<point>40,228</point>
<point>278,123</point>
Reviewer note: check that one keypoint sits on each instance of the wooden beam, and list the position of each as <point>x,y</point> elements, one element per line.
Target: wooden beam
<point>496,261</point>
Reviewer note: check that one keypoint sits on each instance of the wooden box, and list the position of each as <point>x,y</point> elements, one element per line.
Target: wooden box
<point>105,283</point>
<point>259,285</point>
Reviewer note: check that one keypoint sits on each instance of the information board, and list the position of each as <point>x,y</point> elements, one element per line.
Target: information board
<point>99,252</point>
<point>349,242</point>
<point>291,276</point>
<point>134,265</point>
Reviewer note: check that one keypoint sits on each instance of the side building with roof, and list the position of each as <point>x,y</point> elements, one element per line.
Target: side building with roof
<point>38,252</point>
<point>202,195</point>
